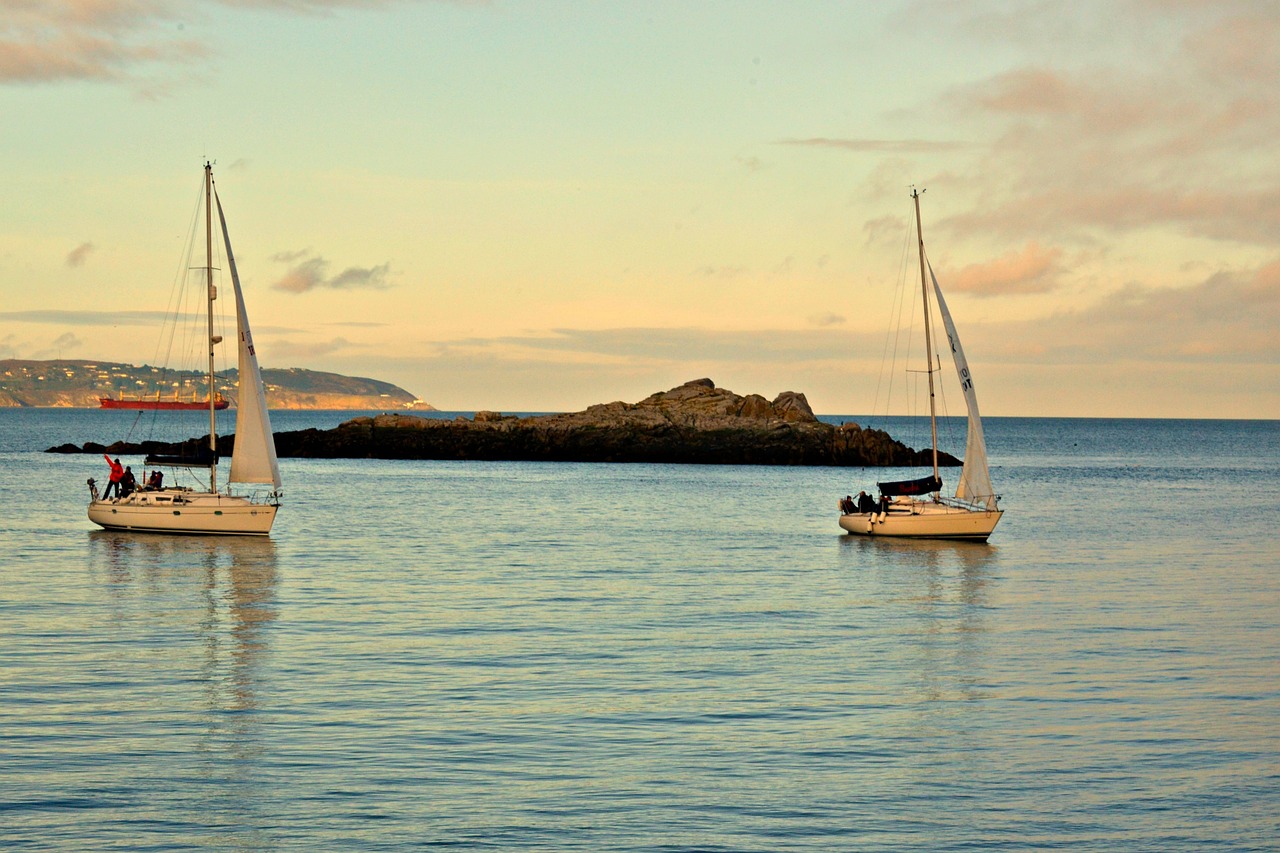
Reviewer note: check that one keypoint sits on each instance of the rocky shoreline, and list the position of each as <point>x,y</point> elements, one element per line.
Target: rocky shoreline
<point>693,423</point>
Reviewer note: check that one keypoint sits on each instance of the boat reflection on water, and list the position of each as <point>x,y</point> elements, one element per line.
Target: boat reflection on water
<point>202,609</point>
<point>941,591</point>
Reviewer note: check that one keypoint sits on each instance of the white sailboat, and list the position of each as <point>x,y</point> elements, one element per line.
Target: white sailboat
<point>179,509</point>
<point>916,508</point>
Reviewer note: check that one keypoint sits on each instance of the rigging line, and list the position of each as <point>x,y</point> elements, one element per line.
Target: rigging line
<point>895,320</point>
<point>909,297</point>
<point>948,428</point>
<point>174,310</point>
<point>221,316</point>
<point>174,307</point>
<point>128,436</point>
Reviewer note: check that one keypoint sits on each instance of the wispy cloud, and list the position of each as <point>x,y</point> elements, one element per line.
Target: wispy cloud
<point>1180,139</point>
<point>107,319</point>
<point>42,42</point>
<point>886,229</point>
<point>86,318</point>
<point>722,272</point>
<point>684,345</point>
<point>49,41</point>
<point>1034,269</point>
<point>281,350</point>
<point>879,146</point>
<point>1230,316</point>
<point>1244,214</point>
<point>310,272</point>
<point>63,345</point>
<point>77,256</point>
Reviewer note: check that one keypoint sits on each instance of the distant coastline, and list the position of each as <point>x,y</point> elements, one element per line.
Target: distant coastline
<point>79,384</point>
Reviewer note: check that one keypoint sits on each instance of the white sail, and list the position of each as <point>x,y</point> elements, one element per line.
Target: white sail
<point>254,457</point>
<point>975,477</point>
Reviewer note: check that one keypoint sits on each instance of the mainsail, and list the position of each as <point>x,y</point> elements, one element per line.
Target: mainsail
<point>254,457</point>
<point>975,477</point>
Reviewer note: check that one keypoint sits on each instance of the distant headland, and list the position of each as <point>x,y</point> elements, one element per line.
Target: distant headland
<point>79,384</point>
<point>693,423</point>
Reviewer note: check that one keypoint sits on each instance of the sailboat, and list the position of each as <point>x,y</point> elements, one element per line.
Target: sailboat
<point>181,509</point>
<point>916,509</point>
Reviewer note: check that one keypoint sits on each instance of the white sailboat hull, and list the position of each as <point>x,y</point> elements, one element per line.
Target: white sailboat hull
<point>177,511</point>
<point>924,520</point>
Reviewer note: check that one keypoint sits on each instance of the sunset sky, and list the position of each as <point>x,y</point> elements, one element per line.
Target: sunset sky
<point>536,206</point>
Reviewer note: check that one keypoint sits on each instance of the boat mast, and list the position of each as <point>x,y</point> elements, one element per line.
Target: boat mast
<point>211,295</point>
<point>928,339</point>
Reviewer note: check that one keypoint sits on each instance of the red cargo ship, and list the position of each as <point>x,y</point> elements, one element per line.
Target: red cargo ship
<point>219,403</point>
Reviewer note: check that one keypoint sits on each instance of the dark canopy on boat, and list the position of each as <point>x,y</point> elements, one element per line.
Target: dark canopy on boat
<point>911,487</point>
<point>204,458</point>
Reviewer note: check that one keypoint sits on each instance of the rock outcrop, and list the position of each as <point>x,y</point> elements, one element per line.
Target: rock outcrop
<point>693,423</point>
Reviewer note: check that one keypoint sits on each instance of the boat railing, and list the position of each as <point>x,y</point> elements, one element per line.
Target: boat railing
<point>262,495</point>
<point>979,503</point>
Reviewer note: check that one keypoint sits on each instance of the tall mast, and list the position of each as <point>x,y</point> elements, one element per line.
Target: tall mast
<point>211,295</point>
<point>928,338</point>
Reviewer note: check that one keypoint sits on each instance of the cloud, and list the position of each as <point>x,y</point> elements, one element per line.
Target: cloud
<point>77,256</point>
<point>881,146</point>
<point>725,272</point>
<point>1025,91</point>
<point>281,350</point>
<point>1242,214</point>
<point>48,41</point>
<point>305,276</point>
<point>309,272</point>
<point>87,318</point>
<point>822,320</point>
<point>1229,317</point>
<point>290,257</point>
<point>1032,270</point>
<point>677,345</point>
<point>1173,132</point>
<point>359,277</point>
<point>88,40</point>
<point>885,230</point>
<point>59,347</point>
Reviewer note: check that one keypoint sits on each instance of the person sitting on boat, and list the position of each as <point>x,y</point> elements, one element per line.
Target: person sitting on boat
<point>113,482</point>
<point>128,485</point>
<point>846,505</point>
<point>884,503</point>
<point>865,502</point>
<point>156,481</point>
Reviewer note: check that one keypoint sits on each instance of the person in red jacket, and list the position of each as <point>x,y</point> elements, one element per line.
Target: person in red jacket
<point>117,472</point>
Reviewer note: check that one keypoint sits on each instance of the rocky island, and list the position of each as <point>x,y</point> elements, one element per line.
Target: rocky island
<point>693,423</point>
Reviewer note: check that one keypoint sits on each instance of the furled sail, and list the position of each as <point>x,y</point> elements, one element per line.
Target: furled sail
<point>254,457</point>
<point>975,477</point>
<point>922,486</point>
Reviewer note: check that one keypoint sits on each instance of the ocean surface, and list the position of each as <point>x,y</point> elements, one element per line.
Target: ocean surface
<point>543,656</point>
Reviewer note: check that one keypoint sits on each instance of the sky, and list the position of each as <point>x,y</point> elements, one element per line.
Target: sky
<point>538,206</point>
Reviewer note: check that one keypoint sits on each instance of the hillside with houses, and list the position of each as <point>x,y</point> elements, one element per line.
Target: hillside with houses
<point>80,384</point>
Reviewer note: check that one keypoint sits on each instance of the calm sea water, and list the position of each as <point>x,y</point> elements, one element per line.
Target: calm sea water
<point>640,657</point>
